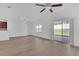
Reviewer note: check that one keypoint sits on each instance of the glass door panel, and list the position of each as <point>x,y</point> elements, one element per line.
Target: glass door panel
<point>61,31</point>
<point>58,29</point>
<point>66,29</point>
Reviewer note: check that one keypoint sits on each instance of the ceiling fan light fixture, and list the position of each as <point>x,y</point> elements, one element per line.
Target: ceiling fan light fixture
<point>47,5</point>
<point>42,10</point>
<point>51,10</point>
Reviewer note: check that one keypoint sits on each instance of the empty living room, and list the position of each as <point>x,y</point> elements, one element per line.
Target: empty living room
<point>39,29</point>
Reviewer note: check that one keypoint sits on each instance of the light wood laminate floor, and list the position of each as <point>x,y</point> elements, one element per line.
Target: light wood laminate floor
<point>34,46</point>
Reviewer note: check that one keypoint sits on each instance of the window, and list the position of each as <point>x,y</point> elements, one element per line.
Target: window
<point>38,28</point>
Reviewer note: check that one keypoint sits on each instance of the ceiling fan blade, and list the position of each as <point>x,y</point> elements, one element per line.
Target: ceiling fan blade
<point>50,10</point>
<point>40,5</point>
<point>42,10</point>
<point>56,5</point>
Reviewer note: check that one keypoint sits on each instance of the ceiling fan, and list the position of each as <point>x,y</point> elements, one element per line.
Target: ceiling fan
<point>48,5</point>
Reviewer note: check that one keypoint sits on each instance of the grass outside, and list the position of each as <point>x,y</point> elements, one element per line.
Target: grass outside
<point>59,32</point>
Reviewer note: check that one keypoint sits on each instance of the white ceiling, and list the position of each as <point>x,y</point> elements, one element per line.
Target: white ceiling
<point>29,11</point>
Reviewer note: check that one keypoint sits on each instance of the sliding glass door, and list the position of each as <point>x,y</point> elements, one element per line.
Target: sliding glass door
<point>61,31</point>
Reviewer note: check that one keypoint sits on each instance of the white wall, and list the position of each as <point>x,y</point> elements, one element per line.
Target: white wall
<point>4,35</point>
<point>16,25</point>
<point>46,28</point>
<point>29,25</point>
<point>17,28</point>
